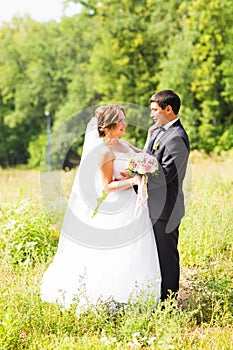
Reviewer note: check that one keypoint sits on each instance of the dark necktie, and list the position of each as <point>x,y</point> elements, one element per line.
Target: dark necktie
<point>157,133</point>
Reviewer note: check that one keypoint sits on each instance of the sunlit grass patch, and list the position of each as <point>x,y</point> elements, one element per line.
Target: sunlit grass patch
<point>202,317</point>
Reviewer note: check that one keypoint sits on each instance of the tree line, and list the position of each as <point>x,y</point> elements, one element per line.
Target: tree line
<point>115,51</point>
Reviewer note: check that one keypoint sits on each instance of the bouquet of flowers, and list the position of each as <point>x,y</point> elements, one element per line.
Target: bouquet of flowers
<point>142,164</point>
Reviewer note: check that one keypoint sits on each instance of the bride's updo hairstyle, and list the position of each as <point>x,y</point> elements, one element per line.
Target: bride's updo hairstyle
<point>107,117</point>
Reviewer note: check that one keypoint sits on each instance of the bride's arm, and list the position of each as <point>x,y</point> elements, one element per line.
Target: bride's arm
<point>106,170</point>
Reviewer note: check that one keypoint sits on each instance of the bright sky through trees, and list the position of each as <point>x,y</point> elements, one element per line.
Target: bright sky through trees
<point>40,10</point>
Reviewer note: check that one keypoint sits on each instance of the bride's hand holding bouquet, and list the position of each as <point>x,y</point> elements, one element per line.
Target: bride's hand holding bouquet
<point>140,165</point>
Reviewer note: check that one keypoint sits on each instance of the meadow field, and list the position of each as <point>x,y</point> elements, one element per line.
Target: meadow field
<point>202,318</point>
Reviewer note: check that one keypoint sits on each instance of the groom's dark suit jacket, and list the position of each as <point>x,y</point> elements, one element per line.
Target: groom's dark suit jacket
<point>165,195</point>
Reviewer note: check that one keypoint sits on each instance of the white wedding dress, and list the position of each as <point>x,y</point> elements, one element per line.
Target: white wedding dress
<point>109,256</point>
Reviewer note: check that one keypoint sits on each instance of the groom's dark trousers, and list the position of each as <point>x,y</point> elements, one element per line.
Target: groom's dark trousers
<point>168,258</point>
<point>166,200</point>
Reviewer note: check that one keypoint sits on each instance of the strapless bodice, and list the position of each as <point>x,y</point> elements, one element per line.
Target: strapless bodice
<point>120,162</point>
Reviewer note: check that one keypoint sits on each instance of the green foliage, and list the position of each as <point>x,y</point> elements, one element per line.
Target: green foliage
<point>206,242</point>
<point>116,52</point>
<point>225,141</point>
<point>28,239</point>
<point>36,148</point>
<point>37,65</point>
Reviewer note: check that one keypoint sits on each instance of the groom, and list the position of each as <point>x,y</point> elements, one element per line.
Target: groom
<point>168,142</point>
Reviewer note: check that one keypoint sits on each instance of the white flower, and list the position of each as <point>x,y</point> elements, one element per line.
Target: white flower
<point>151,340</point>
<point>141,170</point>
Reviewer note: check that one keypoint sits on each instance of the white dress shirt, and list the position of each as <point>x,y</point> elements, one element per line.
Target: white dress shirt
<point>166,126</point>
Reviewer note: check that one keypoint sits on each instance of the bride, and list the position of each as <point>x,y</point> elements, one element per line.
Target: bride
<point>106,249</point>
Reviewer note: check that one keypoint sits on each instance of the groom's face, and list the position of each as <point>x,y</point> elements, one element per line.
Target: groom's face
<point>159,115</point>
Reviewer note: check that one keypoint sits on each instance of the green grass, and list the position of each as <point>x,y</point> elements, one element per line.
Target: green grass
<point>202,318</point>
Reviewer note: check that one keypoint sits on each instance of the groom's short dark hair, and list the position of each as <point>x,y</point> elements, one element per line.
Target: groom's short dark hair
<point>165,98</point>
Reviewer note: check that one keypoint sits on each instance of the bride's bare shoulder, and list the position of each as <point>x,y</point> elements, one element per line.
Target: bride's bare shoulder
<point>106,154</point>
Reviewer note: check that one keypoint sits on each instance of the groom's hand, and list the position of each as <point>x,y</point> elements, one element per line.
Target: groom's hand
<point>152,129</point>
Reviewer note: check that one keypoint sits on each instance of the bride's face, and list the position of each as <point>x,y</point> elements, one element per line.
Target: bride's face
<point>120,127</point>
